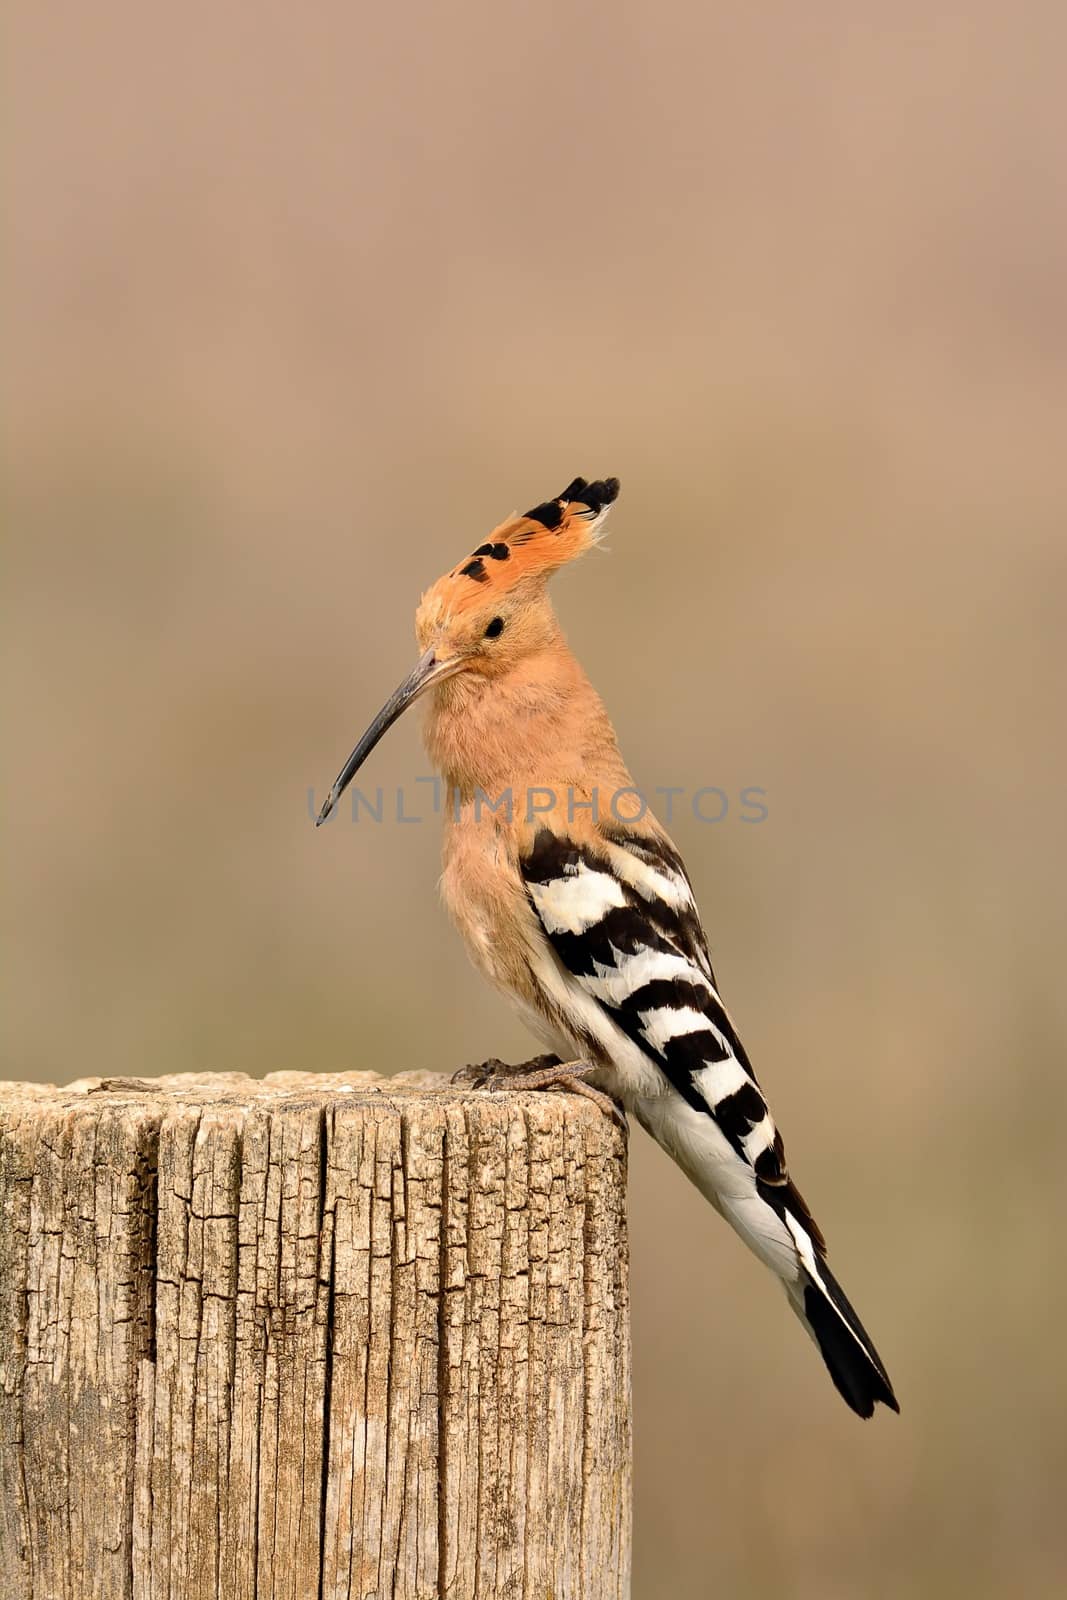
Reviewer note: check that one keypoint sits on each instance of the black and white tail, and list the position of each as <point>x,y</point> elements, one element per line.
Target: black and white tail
<point>851,1359</point>
<point>824,1308</point>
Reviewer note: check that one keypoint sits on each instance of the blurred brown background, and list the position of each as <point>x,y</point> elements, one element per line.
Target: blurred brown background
<point>302,302</point>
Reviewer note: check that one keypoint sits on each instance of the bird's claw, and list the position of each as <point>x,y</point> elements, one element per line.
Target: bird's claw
<point>497,1074</point>
<point>543,1072</point>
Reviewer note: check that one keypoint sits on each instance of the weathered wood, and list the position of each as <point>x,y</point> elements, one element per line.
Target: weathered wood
<point>309,1337</point>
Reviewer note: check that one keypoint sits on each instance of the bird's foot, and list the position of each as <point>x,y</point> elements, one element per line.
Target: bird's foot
<point>497,1074</point>
<point>542,1072</point>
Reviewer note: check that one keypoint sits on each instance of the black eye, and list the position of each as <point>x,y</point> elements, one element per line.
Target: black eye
<point>495,628</point>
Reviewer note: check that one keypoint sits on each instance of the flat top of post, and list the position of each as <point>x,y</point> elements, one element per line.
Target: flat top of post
<point>404,1090</point>
<point>202,1087</point>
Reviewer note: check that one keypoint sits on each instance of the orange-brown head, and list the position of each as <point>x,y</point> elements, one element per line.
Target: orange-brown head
<point>491,610</point>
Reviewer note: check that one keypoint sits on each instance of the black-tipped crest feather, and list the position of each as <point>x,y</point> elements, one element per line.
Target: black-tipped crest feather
<point>578,492</point>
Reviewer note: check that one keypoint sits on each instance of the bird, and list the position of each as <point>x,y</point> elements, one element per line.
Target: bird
<point>574,902</point>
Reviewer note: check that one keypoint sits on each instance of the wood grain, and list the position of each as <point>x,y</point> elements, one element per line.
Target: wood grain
<point>311,1337</point>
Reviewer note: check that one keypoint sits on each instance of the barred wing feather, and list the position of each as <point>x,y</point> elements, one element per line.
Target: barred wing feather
<point>618,912</point>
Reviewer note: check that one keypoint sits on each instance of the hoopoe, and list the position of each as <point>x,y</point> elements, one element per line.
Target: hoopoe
<point>578,907</point>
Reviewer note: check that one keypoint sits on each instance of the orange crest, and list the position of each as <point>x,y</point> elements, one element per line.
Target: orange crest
<point>530,546</point>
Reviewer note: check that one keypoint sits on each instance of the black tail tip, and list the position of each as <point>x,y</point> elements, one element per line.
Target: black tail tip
<point>853,1364</point>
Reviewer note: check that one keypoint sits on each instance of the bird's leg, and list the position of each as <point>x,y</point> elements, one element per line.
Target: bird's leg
<point>542,1072</point>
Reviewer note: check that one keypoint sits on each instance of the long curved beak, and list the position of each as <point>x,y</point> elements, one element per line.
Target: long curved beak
<point>429,670</point>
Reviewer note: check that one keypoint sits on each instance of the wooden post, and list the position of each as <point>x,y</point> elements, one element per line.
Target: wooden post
<point>311,1336</point>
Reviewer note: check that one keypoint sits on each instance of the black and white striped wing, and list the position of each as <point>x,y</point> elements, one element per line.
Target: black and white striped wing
<point>621,918</point>
<point>632,974</point>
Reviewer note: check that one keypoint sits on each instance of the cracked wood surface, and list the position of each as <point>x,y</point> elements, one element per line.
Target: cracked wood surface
<point>310,1337</point>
